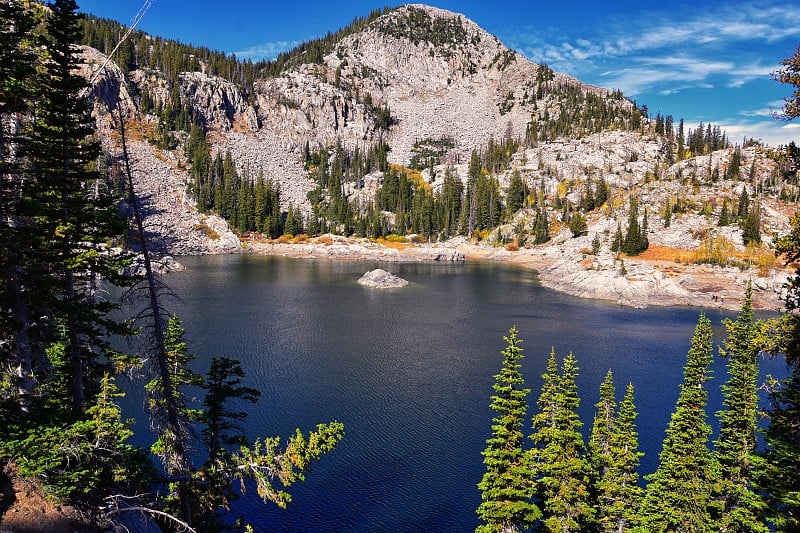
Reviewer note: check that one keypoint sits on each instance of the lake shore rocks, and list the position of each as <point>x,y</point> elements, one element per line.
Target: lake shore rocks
<point>381,279</point>
<point>628,281</point>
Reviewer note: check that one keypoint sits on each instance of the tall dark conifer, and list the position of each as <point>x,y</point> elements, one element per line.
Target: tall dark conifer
<point>620,486</point>
<point>557,459</point>
<point>76,207</point>
<point>735,448</point>
<point>505,491</point>
<point>678,496</point>
<point>19,235</point>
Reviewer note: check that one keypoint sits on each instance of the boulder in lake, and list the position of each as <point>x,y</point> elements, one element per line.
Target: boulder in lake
<point>380,279</point>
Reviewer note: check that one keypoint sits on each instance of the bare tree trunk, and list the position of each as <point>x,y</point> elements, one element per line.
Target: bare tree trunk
<point>180,463</point>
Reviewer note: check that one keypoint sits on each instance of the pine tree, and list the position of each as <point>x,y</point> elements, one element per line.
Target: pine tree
<point>73,202</point>
<point>578,225</point>
<point>599,448</point>
<point>779,481</point>
<point>616,241</point>
<point>515,196</point>
<point>635,239</point>
<point>678,495</point>
<point>557,461</point>
<point>751,226</point>
<point>724,214</point>
<point>735,448</point>
<point>621,494</point>
<point>20,236</point>
<point>505,490</point>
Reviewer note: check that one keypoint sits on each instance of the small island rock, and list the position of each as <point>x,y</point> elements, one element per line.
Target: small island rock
<point>380,279</point>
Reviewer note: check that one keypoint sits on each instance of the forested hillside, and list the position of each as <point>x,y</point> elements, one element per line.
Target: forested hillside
<point>411,125</point>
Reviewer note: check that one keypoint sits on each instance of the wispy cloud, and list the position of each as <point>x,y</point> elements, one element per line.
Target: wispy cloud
<point>266,51</point>
<point>661,51</point>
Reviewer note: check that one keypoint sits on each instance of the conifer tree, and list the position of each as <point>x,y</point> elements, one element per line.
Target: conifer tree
<point>634,242</point>
<point>505,489</point>
<point>724,214</point>
<point>557,461</point>
<point>599,448</point>
<point>20,236</point>
<point>621,494</point>
<point>735,448</point>
<point>678,495</point>
<point>73,202</point>
<point>779,481</point>
<point>616,241</point>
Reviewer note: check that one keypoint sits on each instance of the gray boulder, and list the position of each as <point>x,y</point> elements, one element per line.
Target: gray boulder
<point>380,279</point>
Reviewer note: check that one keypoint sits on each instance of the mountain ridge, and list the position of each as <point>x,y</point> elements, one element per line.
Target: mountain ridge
<point>433,88</point>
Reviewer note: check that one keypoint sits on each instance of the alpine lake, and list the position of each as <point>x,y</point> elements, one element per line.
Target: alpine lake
<point>410,372</point>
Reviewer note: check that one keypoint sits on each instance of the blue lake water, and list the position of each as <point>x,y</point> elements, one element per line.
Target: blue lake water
<point>410,374</point>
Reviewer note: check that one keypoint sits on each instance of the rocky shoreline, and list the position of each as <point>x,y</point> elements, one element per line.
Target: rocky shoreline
<point>632,282</point>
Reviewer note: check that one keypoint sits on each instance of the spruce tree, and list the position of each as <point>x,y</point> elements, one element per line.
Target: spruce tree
<point>557,461</point>
<point>678,495</point>
<point>505,490</point>
<point>779,481</point>
<point>20,235</point>
<point>724,214</point>
<point>634,241</point>
<point>735,448</point>
<point>619,488</point>
<point>74,204</point>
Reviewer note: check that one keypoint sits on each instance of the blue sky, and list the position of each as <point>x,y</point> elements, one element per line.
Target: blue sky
<point>702,61</point>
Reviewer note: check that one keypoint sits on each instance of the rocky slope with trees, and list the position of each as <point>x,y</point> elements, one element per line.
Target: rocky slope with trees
<point>416,122</point>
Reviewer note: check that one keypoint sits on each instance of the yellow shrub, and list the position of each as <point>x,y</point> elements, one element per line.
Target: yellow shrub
<point>714,249</point>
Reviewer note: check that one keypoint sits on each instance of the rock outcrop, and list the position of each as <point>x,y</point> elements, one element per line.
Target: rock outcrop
<point>173,225</point>
<point>380,279</point>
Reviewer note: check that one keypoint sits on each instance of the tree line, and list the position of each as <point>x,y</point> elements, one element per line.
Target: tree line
<point>560,482</point>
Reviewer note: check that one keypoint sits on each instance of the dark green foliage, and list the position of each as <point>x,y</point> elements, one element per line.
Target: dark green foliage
<point>679,494</point>
<point>541,226</point>
<point>556,460</point>
<point>430,152</point>
<point>579,113</point>
<point>418,26</point>
<point>613,456</point>
<point>779,480</point>
<point>782,455</point>
<point>635,241</point>
<point>706,139</point>
<point>751,225</point>
<point>578,225</point>
<point>596,244</point>
<point>619,488</point>
<point>732,172</point>
<point>315,50</point>
<point>743,207</point>
<point>617,240</point>
<point>77,213</point>
<point>505,490</point>
<point>171,441</point>
<point>735,448</point>
<point>171,57</point>
<point>85,459</point>
<point>724,214</point>
<point>223,384</point>
<point>19,235</point>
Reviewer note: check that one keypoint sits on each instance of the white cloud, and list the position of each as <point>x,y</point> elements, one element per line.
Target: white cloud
<point>266,51</point>
<point>720,42</point>
<point>771,132</point>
